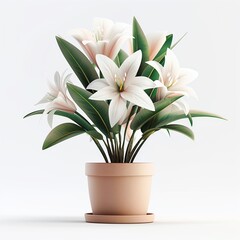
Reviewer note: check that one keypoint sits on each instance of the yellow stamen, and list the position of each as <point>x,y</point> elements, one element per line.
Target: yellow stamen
<point>120,82</point>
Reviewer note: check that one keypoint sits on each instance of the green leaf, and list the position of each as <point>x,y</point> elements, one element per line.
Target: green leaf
<point>189,116</point>
<point>145,115</point>
<point>181,129</point>
<point>34,113</point>
<point>77,118</point>
<point>120,58</point>
<point>174,127</point>
<point>74,117</point>
<point>150,72</point>
<point>140,43</point>
<point>163,119</point>
<point>163,50</point>
<point>60,133</point>
<point>95,134</point>
<point>79,63</point>
<point>97,111</point>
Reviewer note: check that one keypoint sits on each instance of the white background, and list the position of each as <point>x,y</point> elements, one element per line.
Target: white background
<point>195,194</point>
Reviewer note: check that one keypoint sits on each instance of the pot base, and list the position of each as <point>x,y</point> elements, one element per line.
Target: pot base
<point>91,218</point>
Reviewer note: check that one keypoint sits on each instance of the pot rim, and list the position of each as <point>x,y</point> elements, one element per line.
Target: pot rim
<point>119,169</point>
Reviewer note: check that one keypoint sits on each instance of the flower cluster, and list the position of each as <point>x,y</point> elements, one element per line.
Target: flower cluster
<point>125,91</point>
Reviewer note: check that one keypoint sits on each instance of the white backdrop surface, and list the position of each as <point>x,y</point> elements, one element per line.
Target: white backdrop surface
<point>195,181</point>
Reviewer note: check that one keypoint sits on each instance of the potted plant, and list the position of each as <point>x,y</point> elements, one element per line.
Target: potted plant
<point>123,99</point>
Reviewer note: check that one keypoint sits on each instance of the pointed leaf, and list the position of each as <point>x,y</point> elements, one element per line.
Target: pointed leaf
<point>181,129</point>
<point>189,116</point>
<point>34,113</point>
<point>97,111</point>
<point>79,63</point>
<point>77,118</point>
<point>163,119</point>
<point>140,43</point>
<point>151,72</point>
<point>95,134</point>
<point>145,115</point>
<point>60,133</point>
<point>164,48</point>
<point>174,127</point>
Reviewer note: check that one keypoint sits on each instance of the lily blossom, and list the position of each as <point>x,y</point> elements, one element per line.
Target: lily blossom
<point>174,80</point>
<point>107,38</point>
<point>120,85</point>
<point>57,98</point>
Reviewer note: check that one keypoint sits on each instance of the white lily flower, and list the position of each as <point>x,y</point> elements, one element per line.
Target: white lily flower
<point>107,38</point>
<point>174,80</point>
<point>120,85</point>
<point>57,98</point>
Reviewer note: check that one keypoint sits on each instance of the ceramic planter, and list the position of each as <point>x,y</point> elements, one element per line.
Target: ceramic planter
<point>119,192</point>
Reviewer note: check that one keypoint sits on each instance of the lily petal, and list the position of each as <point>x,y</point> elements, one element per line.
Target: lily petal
<point>61,102</point>
<point>181,104</point>
<point>162,92</point>
<point>117,109</point>
<point>50,117</point>
<point>98,84</point>
<point>118,30</point>
<point>57,80</point>
<point>184,90</point>
<point>142,82</point>
<point>137,96</point>
<point>105,93</point>
<point>158,67</point>
<point>108,67</point>
<point>103,27</point>
<point>114,45</point>
<point>130,66</point>
<point>124,118</point>
<point>171,65</point>
<point>82,34</point>
<point>155,42</point>
<point>47,98</point>
<point>91,49</point>
<point>187,75</point>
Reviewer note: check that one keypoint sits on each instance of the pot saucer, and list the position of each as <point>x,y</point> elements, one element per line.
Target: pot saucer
<point>91,218</point>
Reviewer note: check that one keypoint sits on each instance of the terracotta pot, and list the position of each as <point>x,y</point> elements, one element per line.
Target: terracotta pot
<point>119,188</point>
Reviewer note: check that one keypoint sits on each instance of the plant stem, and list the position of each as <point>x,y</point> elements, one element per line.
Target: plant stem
<point>129,147</point>
<point>125,130</point>
<point>82,117</point>
<point>116,149</point>
<point>125,133</point>
<point>100,149</point>
<point>120,145</point>
<point>137,150</point>
<point>135,147</point>
<point>113,149</point>
<point>110,153</point>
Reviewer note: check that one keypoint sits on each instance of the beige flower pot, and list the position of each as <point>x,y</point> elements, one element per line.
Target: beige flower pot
<point>119,191</point>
